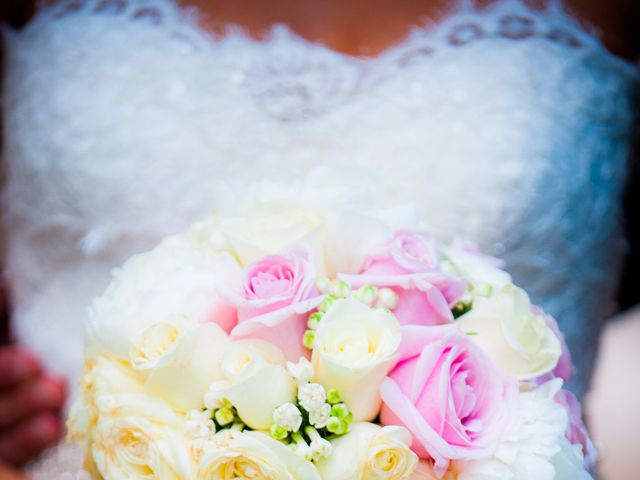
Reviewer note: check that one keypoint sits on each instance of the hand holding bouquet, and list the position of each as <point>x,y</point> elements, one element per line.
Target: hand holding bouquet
<point>297,345</point>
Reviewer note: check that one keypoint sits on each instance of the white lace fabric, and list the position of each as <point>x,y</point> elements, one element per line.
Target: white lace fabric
<point>507,126</point>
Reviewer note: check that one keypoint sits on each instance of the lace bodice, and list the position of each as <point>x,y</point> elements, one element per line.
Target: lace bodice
<point>507,126</point>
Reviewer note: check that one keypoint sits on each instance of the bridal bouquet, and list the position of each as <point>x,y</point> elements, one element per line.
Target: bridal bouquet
<point>289,344</point>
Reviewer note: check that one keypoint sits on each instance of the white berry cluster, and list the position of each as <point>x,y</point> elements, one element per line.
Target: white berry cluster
<point>218,414</point>
<point>200,423</point>
<point>317,415</point>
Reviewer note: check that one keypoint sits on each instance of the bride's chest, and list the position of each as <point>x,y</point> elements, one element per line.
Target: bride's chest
<point>135,120</point>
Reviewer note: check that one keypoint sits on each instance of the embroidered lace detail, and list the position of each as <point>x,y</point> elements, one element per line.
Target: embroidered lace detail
<point>291,85</point>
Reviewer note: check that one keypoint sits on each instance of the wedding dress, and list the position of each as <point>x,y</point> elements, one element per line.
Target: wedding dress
<point>507,126</point>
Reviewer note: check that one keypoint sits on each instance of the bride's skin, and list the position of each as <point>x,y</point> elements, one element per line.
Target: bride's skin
<point>368,27</point>
<point>354,27</point>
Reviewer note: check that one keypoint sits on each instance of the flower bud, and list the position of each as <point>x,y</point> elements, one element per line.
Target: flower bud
<point>387,298</point>
<point>367,294</point>
<point>323,284</point>
<point>320,447</point>
<point>214,398</point>
<point>278,432</point>
<point>333,396</point>
<point>314,320</point>
<point>483,290</point>
<point>302,448</point>
<point>238,426</point>
<point>224,416</point>
<point>308,339</point>
<point>337,426</point>
<point>340,410</point>
<point>327,302</point>
<point>341,289</point>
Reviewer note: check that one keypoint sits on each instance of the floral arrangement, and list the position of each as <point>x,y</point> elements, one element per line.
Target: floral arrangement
<point>295,345</point>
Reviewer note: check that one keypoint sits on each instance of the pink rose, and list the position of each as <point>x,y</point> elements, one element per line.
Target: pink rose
<point>409,266</point>
<point>407,252</point>
<point>224,314</point>
<point>576,431</point>
<point>448,394</point>
<point>277,292</point>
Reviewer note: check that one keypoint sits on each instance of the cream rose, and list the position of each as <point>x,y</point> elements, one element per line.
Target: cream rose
<point>370,452</point>
<point>232,454</point>
<point>476,268</point>
<point>270,229</point>
<point>513,334</point>
<point>568,463</point>
<point>255,380</point>
<point>180,360</point>
<point>138,436</point>
<point>102,376</point>
<point>181,278</point>
<point>355,347</point>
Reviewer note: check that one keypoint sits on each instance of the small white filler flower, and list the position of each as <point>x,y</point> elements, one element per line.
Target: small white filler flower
<point>288,417</point>
<point>312,396</point>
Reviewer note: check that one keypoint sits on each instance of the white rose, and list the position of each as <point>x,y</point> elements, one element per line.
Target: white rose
<point>370,452</point>
<point>102,376</point>
<point>355,347</point>
<point>270,228</point>
<point>181,278</point>
<point>531,446</point>
<point>138,436</point>
<point>180,360</point>
<point>569,462</point>
<point>156,344</point>
<point>512,333</point>
<point>258,381</point>
<point>476,268</point>
<point>231,454</point>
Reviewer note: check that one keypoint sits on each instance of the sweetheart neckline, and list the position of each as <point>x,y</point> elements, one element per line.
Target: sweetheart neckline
<point>461,25</point>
